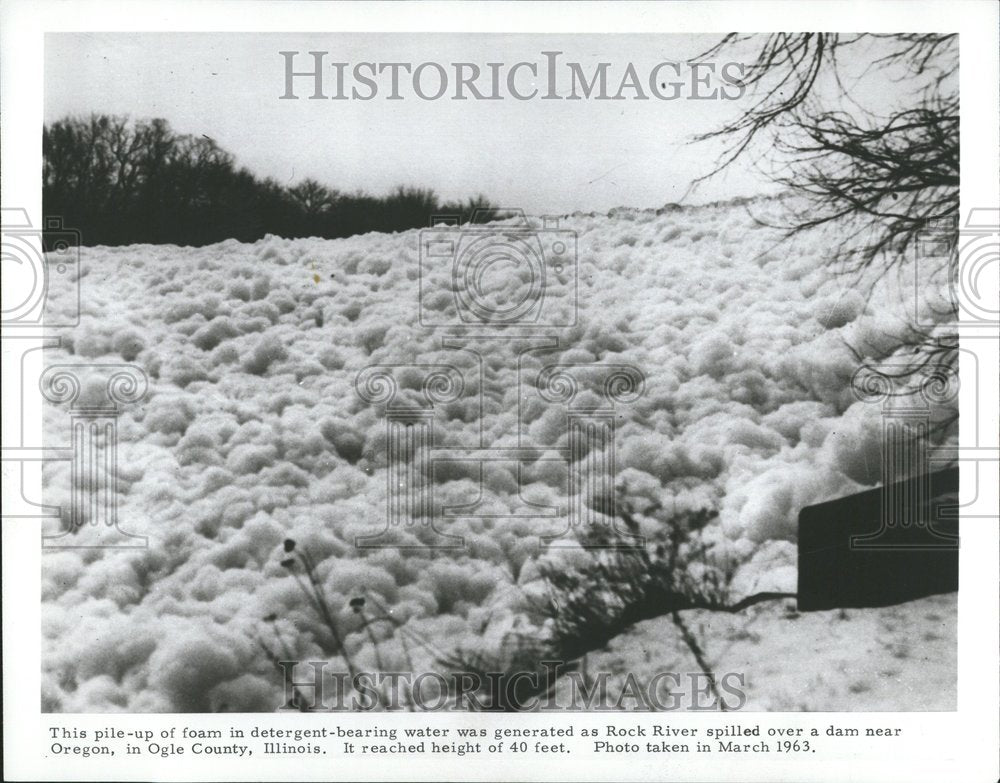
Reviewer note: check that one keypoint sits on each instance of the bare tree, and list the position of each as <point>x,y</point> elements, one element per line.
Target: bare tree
<point>122,181</point>
<point>314,198</point>
<point>880,176</point>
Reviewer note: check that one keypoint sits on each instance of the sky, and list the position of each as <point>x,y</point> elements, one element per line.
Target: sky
<point>541,155</point>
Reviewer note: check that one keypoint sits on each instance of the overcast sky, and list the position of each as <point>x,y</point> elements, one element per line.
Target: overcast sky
<point>542,155</point>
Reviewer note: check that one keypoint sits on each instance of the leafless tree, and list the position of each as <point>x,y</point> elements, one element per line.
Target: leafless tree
<point>878,177</point>
<point>313,198</point>
<point>121,181</point>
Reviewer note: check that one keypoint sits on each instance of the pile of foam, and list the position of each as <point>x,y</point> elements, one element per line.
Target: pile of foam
<point>252,432</point>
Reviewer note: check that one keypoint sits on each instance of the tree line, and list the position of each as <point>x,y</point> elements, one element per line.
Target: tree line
<point>122,182</point>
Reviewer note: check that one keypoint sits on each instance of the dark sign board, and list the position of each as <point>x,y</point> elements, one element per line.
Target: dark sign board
<point>881,547</point>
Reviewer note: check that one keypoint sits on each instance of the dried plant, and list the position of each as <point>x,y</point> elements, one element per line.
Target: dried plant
<point>623,583</point>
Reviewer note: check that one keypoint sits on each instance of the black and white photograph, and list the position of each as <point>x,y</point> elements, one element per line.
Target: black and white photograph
<point>416,397</point>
